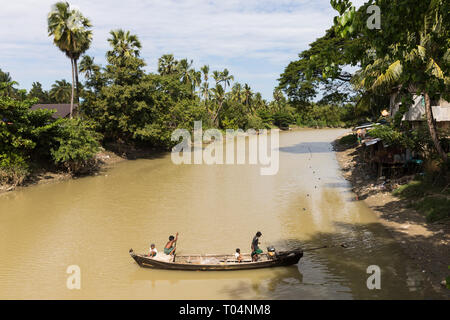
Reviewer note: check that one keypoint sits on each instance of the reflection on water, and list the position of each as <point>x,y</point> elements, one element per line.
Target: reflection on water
<point>93,221</point>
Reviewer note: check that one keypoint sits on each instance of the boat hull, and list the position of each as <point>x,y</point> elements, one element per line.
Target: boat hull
<point>286,258</point>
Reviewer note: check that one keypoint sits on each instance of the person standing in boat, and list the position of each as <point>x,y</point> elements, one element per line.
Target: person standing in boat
<point>171,245</point>
<point>255,247</point>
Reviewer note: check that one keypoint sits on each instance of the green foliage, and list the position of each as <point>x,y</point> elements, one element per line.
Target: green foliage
<point>321,116</point>
<point>283,119</point>
<point>429,196</point>
<point>391,136</point>
<point>76,145</point>
<point>13,168</point>
<point>434,208</point>
<point>348,139</point>
<point>28,137</point>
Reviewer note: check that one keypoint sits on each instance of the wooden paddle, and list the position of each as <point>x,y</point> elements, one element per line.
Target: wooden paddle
<point>343,245</point>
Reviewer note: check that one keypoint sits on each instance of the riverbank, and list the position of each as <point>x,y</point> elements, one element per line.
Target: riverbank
<point>103,160</point>
<point>426,243</point>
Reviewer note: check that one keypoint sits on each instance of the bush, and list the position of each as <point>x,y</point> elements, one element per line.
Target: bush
<point>13,169</point>
<point>434,208</point>
<point>391,136</point>
<point>348,139</point>
<point>282,119</point>
<point>78,144</point>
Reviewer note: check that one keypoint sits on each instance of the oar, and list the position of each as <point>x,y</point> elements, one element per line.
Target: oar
<point>175,248</point>
<point>343,245</point>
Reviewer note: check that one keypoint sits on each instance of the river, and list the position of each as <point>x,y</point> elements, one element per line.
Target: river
<point>93,221</point>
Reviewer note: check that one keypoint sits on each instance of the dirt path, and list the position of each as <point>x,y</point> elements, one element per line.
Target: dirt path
<point>426,243</point>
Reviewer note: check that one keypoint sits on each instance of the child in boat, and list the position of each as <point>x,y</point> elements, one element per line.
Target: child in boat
<point>153,250</point>
<point>238,255</point>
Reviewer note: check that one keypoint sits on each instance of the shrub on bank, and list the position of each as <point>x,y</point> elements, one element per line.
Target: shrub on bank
<point>348,139</point>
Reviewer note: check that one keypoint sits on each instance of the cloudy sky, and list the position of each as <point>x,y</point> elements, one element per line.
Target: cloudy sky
<point>254,39</point>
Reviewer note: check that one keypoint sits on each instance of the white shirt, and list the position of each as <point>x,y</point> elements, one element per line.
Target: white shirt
<point>237,255</point>
<point>153,251</point>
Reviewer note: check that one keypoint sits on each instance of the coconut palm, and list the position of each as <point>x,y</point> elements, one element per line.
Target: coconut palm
<point>88,67</point>
<point>216,76</point>
<point>61,91</point>
<point>167,64</point>
<point>124,45</point>
<point>72,35</point>
<point>236,92</point>
<point>226,78</point>
<point>205,86</point>
<point>247,96</point>
<point>219,97</point>
<point>184,68</point>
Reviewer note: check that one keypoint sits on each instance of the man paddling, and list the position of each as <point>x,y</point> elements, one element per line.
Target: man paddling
<point>255,247</point>
<point>171,245</point>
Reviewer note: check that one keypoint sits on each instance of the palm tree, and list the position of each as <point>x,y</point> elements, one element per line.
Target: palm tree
<point>61,91</point>
<point>219,96</point>
<point>247,97</point>
<point>88,67</point>
<point>71,34</point>
<point>205,86</point>
<point>217,76</point>
<point>167,64</point>
<point>277,96</point>
<point>7,84</point>
<point>124,45</point>
<point>236,92</point>
<point>226,78</point>
<point>184,68</point>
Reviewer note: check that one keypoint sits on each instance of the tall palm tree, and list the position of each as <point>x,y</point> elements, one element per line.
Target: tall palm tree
<point>236,92</point>
<point>226,78</point>
<point>72,35</point>
<point>205,86</point>
<point>219,96</point>
<point>61,91</point>
<point>247,96</point>
<point>124,45</point>
<point>184,68</point>
<point>216,76</point>
<point>167,64</point>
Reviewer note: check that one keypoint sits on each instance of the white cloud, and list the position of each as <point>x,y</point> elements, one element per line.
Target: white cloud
<point>220,33</point>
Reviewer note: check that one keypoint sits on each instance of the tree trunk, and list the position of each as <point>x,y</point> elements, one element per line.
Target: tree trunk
<point>73,89</point>
<point>77,90</point>
<point>432,128</point>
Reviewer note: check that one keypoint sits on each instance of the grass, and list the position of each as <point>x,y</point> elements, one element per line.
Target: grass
<point>427,197</point>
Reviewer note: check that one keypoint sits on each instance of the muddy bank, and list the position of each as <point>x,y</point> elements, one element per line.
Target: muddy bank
<point>426,243</point>
<point>104,159</point>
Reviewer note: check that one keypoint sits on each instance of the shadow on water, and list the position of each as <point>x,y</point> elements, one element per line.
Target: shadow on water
<point>340,271</point>
<point>308,147</point>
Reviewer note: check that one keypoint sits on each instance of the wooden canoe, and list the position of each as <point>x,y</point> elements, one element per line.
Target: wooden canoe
<point>218,262</point>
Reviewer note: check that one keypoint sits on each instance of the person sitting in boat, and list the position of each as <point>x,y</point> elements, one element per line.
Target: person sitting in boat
<point>153,251</point>
<point>171,245</point>
<point>256,251</point>
<point>238,255</point>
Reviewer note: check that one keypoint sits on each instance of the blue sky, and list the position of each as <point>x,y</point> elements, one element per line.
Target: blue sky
<point>254,39</point>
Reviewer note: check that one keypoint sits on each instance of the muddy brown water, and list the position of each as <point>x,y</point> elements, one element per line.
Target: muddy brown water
<point>92,222</point>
